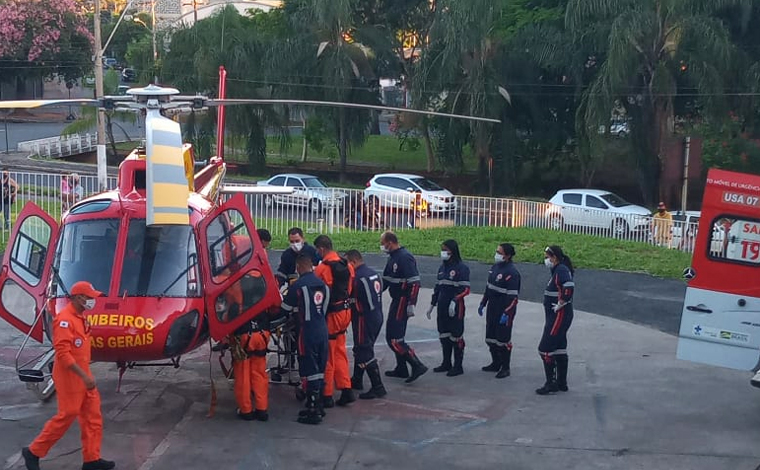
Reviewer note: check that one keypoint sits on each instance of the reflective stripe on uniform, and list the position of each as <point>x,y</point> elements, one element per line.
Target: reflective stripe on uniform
<point>551,294</point>
<point>398,280</point>
<point>446,282</point>
<point>502,290</point>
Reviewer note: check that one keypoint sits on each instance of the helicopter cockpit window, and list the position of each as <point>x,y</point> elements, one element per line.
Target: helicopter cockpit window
<point>159,261</point>
<point>85,252</point>
<point>229,244</point>
<point>29,250</point>
<point>90,207</point>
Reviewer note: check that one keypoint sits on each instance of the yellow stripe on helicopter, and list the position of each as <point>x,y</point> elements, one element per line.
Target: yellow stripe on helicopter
<point>167,187</point>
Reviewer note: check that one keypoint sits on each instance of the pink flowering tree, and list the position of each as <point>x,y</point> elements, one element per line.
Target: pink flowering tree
<point>41,38</point>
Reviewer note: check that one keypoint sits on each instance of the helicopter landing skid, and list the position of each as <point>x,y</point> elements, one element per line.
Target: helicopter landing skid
<point>123,366</point>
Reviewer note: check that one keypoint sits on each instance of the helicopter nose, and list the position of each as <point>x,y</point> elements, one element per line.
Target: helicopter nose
<point>181,333</point>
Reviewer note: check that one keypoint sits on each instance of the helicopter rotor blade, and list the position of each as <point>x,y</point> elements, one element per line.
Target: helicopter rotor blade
<point>31,104</point>
<point>235,101</point>
<point>167,186</point>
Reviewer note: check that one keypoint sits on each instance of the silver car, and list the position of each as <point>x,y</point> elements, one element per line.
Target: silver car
<point>308,191</point>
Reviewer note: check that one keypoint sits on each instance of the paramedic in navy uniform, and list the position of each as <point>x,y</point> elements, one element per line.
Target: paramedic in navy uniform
<point>500,303</point>
<point>558,307</point>
<point>452,286</point>
<point>402,279</point>
<point>308,298</point>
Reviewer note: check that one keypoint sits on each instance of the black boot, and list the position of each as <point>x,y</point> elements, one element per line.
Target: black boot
<point>458,357</point>
<point>346,397</point>
<point>505,355</point>
<point>561,372</point>
<point>418,368</point>
<point>328,402</point>
<point>550,370</point>
<point>495,359</point>
<point>311,414</point>
<point>446,347</point>
<point>377,390</point>
<point>31,461</point>
<point>400,371</point>
<point>357,380</point>
<point>99,464</point>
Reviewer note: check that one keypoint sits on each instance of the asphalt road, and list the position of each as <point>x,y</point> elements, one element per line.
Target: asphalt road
<point>24,131</point>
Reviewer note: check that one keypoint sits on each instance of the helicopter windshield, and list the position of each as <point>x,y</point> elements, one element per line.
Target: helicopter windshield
<point>85,252</point>
<point>159,261</point>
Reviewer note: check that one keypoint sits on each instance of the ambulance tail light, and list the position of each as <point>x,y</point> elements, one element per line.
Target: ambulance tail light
<point>181,333</point>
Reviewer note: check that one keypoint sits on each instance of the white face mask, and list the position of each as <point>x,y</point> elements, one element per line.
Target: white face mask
<point>383,249</point>
<point>89,304</point>
<point>445,255</point>
<point>548,263</point>
<point>297,246</point>
<point>498,258</point>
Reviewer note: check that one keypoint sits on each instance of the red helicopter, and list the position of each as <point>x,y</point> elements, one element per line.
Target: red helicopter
<point>167,247</point>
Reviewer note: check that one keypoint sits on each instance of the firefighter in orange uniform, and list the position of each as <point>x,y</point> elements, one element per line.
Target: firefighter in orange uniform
<point>250,368</point>
<point>78,396</point>
<point>338,274</point>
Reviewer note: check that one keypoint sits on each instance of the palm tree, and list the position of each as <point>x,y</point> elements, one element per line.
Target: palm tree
<point>652,48</point>
<point>323,61</point>
<point>461,66</point>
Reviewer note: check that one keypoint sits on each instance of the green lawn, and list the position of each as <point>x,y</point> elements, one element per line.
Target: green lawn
<point>380,152</point>
<point>587,252</point>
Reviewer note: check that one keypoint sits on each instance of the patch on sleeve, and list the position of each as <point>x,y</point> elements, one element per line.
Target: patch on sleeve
<point>78,342</point>
<point>63,324</point>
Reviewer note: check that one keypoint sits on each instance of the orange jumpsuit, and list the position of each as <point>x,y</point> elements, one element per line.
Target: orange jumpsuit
<point>251,373</point>
<point>71,341</point>
<point>336,371</point>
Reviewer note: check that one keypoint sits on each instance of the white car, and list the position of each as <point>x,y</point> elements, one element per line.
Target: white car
<point>399,190</point>
<point>685,225</point>
<point>598,209</point>
<point>308,191</point>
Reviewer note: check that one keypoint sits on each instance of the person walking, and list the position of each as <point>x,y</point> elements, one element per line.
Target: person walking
<point>366,322</point>
<point>500,302</point>
<point>9,189</point>
<point>77,392</point>
<point>452,286</point>
<point>558,309</point>
<point>402,279</point>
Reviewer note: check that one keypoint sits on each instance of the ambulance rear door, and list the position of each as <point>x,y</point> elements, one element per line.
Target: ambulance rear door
<point>720,321</point>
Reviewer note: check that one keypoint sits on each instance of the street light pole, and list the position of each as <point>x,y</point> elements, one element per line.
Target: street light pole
<point>101,147</point>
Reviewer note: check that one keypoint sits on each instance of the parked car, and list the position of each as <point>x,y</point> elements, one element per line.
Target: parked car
<point>598,209</point>
<point>308,191</point>
<point>128,75</point>
<point>685,228</point>
<point>399,190</point>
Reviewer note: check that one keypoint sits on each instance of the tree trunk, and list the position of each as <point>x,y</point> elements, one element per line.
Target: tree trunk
<point>342,143</point>
<point>109,132</point>
<point>374,128</point>
<point>428,146</point>
<point>305,148</point>
<point>648,138</point>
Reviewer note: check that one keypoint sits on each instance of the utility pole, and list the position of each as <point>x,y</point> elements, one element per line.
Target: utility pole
<point>684,188</point>
<point>101,147</point>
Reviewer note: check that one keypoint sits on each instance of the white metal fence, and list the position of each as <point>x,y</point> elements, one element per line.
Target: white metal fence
<point>62,146</point>
<point>335,210</point>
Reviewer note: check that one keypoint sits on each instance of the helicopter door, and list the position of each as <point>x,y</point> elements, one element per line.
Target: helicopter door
<point>26,269</point>
<point>240,283</point>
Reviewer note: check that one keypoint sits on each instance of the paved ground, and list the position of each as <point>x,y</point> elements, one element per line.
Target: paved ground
<point>631,404</point>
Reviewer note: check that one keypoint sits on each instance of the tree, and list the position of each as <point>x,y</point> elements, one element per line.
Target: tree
<point>322,60</point>
<point>462,62</point>
<point>653,48</point>
<point>42,38</point>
